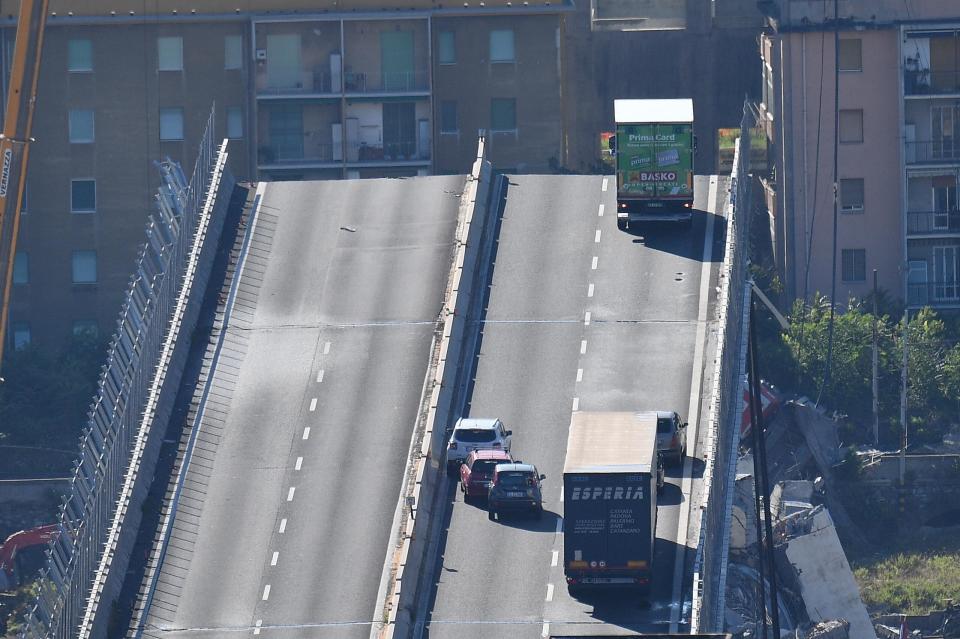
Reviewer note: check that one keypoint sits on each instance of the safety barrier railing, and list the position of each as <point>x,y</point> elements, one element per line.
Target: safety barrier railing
<point>726,405</point>
<point>72,582</point>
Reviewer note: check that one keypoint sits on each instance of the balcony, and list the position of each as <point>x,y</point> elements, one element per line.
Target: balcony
<point>943,151</point>
<point>292,155</point>
<point>399,152</point>
<point>403,82</point>
<point>931,82</point>
<point>945,293</point>
<point>303,83</point>
<point>933,222</point>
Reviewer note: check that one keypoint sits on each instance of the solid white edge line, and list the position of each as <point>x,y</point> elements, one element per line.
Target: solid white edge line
<point>693,410</point>
<point>299,463</point>
<point>266,592</point>
<point>283,526</point>
<point>313,404</point>
<point>274,558</point>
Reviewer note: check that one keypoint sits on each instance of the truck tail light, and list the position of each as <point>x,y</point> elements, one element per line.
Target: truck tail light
<point>571,581</point>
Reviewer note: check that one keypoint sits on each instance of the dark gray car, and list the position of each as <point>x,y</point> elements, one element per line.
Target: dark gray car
<point>515,488</point>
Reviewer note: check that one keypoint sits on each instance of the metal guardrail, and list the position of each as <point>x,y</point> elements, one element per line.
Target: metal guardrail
<point>726,406</point>
<point>113,441</point>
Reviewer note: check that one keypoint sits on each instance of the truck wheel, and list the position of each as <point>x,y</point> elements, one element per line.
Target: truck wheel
<point>623,225</point>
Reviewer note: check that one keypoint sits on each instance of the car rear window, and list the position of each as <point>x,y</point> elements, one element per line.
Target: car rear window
<point>475,435</point>
<point>485,465</point>
<point>515,479</point>
<point>664,426</point>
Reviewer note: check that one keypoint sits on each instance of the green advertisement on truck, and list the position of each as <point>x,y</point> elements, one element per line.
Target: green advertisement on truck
<point>654,157</point>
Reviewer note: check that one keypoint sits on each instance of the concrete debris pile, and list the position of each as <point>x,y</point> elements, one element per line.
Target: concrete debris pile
<point>829,629</point>
<point>939,623</point>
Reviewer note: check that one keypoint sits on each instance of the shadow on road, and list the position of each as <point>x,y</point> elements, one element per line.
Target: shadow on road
<point>670,495</point>
<point>678,239</point>
<point>547,523</point>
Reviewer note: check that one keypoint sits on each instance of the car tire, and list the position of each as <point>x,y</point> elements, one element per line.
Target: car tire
<point>491,515</point>
<point>623,225</point>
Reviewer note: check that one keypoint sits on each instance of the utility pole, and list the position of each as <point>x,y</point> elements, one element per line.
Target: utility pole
<point>876,368</point>
<point>903,397</point>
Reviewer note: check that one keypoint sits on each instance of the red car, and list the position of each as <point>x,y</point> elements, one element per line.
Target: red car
<point>476,472</point>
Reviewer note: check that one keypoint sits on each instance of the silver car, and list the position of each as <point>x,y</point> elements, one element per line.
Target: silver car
<point>671,436</point>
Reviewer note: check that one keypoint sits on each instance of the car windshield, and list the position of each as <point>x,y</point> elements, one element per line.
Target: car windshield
<point>485,465</point>
<point>664,425</point>
<point>475,435</point>
<point>515,479</point>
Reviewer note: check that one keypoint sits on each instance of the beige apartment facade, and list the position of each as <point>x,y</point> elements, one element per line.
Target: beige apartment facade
<point>302,90</point>
<point>897,168</point>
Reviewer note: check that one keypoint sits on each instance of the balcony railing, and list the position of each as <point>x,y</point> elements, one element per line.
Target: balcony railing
<point>933,293</point>
<point>929,82</point>
<point>388,82</point>
<point>307,82</point>
<point>933,222</point>
<point>403,151</point>
<point>281,154</point>
<point>943,151</point>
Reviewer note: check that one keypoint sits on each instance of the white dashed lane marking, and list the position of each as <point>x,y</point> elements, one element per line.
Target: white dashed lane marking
<point>579,374</point>
<point>600,211</point>
<point>554,557</point>
<point>320,376</point>
<point>275,558</point>
<point>583,347</point>
<point>590,290</point>
<point>576,403</point>
<point>593,265</point>
<point>283,526</point>
<point>299,463</point>
<point>266,592</point>
<point>313,404</point>
<point>326,348</point>
<point>603,186</point>
<point>306,432</point>
<point>256,628</point>
<point>546,629</point>
<point>596,237</point>
<point>586,318</point>
<point>549,592</point>
<point>290,493</point>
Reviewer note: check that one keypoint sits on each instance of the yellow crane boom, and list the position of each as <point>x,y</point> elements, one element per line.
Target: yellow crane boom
<point>14,142</point>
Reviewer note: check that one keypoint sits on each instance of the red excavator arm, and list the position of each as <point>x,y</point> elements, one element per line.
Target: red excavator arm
<point>24,539</point>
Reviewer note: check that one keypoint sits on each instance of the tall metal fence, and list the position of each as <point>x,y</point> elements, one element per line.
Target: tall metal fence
<point>114,439</point>
<point>726,407</point>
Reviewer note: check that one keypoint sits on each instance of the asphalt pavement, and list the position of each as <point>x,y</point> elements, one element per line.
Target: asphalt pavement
<point>291,535</point>
<point>580,316</point>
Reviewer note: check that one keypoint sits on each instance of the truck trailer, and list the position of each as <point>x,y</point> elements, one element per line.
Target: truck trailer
<point>609,501</point>
<point>654,156</point>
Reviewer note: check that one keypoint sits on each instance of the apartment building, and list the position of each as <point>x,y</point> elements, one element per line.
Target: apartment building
<point>303,90</point>
<point>898,147</point>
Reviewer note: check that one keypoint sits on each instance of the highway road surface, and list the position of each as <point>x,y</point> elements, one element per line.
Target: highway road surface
<point>286,519</point>
<point>580,316</point>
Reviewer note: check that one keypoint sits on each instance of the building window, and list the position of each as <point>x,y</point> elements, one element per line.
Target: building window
<point>83,196</point>
<point>170,53</point>
<point>448,48</point>
<point>79,56</point>
<point>84,267</point>
<point>81,126</point>
<point>86,328</point>
<point>854,265</point>
<point>21,268</point>
<point>448,117</point>
<point>851,54</point>
<point>171,124</point>
<point>851,195</point>
<point>501,46</point>
<point>503,115</point>
<point>232,52</point>
<point>19,335</point>
<point>234,122</point>
<point>851,125</point>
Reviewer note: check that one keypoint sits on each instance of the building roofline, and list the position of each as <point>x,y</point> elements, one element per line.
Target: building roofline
<point>522,7</point>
